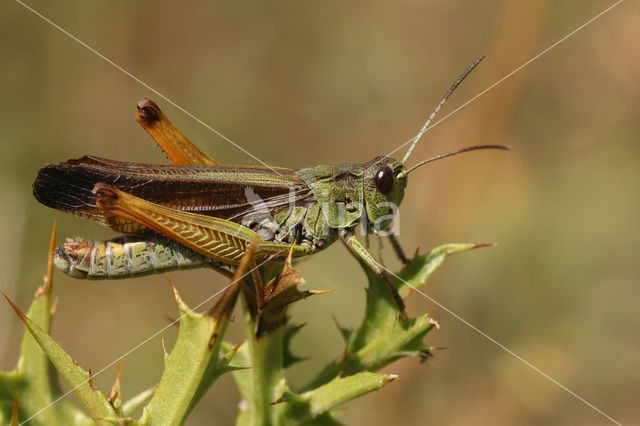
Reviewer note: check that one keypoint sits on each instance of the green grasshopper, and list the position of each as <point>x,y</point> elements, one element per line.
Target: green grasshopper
<point>218,210</point>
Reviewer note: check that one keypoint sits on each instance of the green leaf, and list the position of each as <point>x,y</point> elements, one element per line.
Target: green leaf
<point>79,379</point>
<point>34,378</point>
<point>193,364</point>
<point>321,400</point>
<point>421,267</point>
<point>381,338</point>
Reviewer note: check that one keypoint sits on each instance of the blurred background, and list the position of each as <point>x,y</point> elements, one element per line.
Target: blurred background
<point>301,84</point>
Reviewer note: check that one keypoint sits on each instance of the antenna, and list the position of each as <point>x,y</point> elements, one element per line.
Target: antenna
<point>435,111</point>
<point>457,151</point>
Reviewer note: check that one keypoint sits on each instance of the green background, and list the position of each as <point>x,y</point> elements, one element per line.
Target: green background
<point>305,83</point>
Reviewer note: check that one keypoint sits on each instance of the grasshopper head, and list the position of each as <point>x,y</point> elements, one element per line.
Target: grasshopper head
<point>384,182</point>
<point>385,178</point>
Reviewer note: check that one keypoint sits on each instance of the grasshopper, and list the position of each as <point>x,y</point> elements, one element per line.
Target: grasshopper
<point>215,211</point>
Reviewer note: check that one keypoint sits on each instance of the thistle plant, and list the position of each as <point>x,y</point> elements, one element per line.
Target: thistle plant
<point>201,355</point>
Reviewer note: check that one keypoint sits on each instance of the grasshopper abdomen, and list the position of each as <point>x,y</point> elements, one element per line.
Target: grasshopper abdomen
<point>125,257</point>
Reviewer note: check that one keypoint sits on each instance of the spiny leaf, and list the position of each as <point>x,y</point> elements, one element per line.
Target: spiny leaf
<point>373,351</point>
<point>382,339</point>
<point>34,376</point>
<point>193,364</point>
<point>343,389</point>
<point>79,379</point>
<point>421,267</point>
<point>184,368</point>
<point>320,401</point>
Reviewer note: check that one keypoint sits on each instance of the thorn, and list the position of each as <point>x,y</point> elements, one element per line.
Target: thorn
<point>115,389</point>
<point>14,412</point>
<point>298,327</point>
<point>164,350</point>
<point>22,316</point>
<point>54,306</point>
<point>286,396</point>
<point>48,280</point>
<point>417,252</point>
<point>176,295</point>
<point>290,256</point>
<point>171,320</point>
<point>388,378</point>
<point>314,292</point>
<point>481,245</point>
<point>231,369</point>
<point>335,320</point>
<point>236,348</point>
<point>425,356</point>
<point>93,386</point>
<point>297,359</point>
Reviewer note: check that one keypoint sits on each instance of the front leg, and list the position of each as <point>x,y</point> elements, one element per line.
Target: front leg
<point>360,251</point>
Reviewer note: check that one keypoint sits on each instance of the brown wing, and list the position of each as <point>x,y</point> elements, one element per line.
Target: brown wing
<point>221,191</point>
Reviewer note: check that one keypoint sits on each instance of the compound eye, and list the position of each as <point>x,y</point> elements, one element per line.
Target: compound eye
<point>384,179</point>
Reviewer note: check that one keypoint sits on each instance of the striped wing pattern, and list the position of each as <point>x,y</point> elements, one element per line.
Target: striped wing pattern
<point>215,238</point>
<point>211,242</point>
